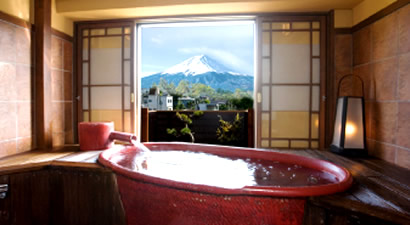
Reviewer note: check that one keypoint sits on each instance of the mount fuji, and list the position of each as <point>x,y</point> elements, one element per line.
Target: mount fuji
<point>202,69</point>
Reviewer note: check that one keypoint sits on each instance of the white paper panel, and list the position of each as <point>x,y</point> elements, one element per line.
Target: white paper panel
<point>315,98</point>
<point>300,25</point>
<point>85,73</point>
<point>290,57</point>
<point>105,98</point>
<point>116,30</point>
<point>85,48</point>
<point>106,60</point>
<point>315,43</point>
<point>290,98</point>
<point>85,98</point>
<point>265,43</point>
<point>265,71</point>
<point>127,45</point>
<point>127,73</point>
<point>265,98</point>
<point>316,71</point>
<point>127,98</point>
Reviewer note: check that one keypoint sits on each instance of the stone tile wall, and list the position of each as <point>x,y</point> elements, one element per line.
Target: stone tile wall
<point>16,99</point>
<point>16,89</point>
<point>62,90</point>
<point>380,54</point>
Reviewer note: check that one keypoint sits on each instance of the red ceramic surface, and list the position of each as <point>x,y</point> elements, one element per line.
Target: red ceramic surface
<point>149,197</point>
<point>100,135</point>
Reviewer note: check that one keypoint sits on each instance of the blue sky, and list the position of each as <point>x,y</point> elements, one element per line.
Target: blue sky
<point>230,43</point>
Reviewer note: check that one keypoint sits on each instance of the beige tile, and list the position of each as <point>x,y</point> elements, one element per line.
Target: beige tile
<point>365,73</point>
<point>57,85</point>
<point>403,125</point>
<point>384,37</point>
<point>8,120</point>
<point>23,83</point>
<point>404,77</point>
<point>57,123</point>
<point>343,50</point>
<point>7,42</point>
<point>384,118</point>
<point>7,81</point>
<point>385,78</point>
<point>362,46</point>
<point>58,139</point>
<point>68,86</point>
<point>56,53</point>
<point>404,29</point>
<point>384,151</point>
<point>23,46</point>
<point>24,144</point>
<point>345,86</point>
<point>370,145</point>
<point>68,55</point>
<point>403,158</point>
<point>68,116</point>
<point>368,110</point>
<point>69,137</point>
<point>24,119</point>
<point>7,148</point>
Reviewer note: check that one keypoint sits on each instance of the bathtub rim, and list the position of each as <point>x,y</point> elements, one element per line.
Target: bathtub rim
<point>345,178</point>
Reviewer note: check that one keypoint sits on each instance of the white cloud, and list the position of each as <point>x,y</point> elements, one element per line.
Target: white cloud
<point>157,40</point>
<point>226,58</point>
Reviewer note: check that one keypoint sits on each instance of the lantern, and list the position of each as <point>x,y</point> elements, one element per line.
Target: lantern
<point>349,130</point>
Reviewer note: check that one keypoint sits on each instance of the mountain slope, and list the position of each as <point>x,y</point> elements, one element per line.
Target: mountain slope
<point>202,69</point>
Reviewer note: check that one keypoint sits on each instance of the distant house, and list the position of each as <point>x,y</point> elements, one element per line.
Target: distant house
<point>214,105</point>
<point>186,101</point>
<point>154,100</point>
<point>208,106</point>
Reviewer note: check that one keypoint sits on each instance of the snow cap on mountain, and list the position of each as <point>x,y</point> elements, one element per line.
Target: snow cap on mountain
<point>199,64</point>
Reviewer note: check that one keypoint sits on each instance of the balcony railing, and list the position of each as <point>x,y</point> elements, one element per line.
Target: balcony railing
<point>154,126</point>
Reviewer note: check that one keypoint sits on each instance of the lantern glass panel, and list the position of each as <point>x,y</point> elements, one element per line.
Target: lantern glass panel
<point>354,124</point>
<point>338,123</point>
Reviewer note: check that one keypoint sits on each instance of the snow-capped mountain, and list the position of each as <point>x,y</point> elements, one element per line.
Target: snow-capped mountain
<point>202,69</point>
<point>196,65</point>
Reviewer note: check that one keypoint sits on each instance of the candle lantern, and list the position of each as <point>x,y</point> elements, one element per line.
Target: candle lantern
<point>349,130</point>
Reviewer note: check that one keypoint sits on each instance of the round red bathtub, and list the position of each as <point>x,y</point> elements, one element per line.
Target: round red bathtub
<point>187,184</point>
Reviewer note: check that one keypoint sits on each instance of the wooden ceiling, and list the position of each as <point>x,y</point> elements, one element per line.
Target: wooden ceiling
<point>114,9</point>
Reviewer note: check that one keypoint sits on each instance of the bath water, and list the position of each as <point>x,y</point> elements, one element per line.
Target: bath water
<point>212,170</point>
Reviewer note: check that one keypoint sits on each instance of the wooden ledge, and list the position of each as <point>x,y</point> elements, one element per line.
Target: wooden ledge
<point>69,156</point>
<point>380,193</point>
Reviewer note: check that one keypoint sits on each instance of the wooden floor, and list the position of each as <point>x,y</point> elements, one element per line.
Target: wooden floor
<point>380,193</point>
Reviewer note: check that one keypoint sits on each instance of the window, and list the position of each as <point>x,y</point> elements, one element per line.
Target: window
<point>200,60</point>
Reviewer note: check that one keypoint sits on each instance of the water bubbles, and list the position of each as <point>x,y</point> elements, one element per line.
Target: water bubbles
<point>281,174</point>
<point>297,166</point>
<point>207,169</point>
<point>312,180</point>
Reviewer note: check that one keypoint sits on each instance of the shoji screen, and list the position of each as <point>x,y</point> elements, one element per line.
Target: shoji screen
<point>291,73</point>
<point>106,81</point>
